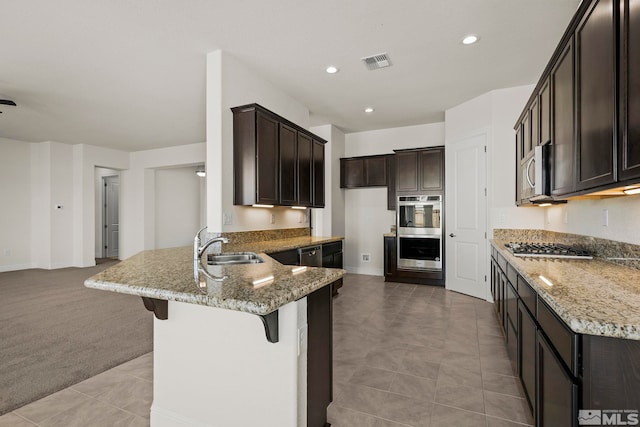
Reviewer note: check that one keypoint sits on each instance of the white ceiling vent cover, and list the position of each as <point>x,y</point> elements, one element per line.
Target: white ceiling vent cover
<point>375,62</point>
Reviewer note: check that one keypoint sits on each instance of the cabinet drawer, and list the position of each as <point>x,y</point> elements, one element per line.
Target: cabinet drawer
<point>560,336</point>
<point>331,248</point>
<point>527,295</point>
<point>502,262</point>
<point>512,275</point>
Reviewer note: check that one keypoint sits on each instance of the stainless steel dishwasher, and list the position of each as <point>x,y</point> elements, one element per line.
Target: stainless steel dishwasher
<point>311,256</point>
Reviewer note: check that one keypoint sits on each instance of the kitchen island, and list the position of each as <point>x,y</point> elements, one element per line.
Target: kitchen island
<point>232,343</point>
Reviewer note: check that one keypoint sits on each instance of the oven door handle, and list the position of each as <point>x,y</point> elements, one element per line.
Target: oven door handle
<point>420,236</point>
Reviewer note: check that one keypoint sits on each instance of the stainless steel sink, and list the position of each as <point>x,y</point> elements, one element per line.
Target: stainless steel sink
<point>234,258</point>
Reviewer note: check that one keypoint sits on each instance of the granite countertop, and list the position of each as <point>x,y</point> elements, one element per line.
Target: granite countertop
<point>168,274</point>
<point>390,234</point>
<point>593,297</point>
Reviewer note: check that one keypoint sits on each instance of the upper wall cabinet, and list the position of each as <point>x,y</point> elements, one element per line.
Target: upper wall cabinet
<point>275,162</point>
<point>366,171</point>
<point>595,43</point>
<point>587,103</point>
<point>629,75</point>
<point>420,170</point>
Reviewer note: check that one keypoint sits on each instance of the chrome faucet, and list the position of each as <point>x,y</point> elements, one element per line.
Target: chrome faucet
<point>199,248</point>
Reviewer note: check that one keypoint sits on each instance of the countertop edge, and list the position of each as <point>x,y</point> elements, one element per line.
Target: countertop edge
<point>576,324</point>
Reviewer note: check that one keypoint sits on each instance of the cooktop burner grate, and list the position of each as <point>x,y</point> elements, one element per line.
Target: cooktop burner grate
<point>546,250</point>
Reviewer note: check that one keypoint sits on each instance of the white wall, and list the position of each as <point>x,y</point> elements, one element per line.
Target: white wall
<point>365,212</point>
<point>229,84</point>
<point>496,113</point>
<point>585,217</point>
<point>138,193</point>
<point>15,215</point>
<point>177,206</point>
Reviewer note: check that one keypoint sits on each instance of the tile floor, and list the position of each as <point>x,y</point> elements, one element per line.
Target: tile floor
<point>405,355</point>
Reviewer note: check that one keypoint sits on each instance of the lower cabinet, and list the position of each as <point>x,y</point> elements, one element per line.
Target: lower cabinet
<point>557,390</point>
<point>390,259</point>
<point>319,356</point>
<point>289,257</point>
<point>527,354</point>
<point>332,257</point>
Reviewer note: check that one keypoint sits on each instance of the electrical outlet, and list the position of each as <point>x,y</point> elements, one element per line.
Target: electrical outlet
<point>566,217</point>
<point>605,217</point>
<point>366,257</point>
<point>273,218</point>
<point>227,218</point>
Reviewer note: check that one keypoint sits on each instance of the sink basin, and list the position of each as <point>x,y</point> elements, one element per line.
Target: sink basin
<point>234,258</point>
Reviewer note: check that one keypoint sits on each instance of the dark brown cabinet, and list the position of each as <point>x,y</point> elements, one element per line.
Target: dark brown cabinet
<point>288,165</point>
<point>318,174</point>
<point>557,390</point>
<point>275,162</point>
<point>305,168</point>
<point>545,113</point>
<point>332,257</point>
<point>527,354</point>
<point>629,110</point>
<point>511,323</point>
<point>420,171</point>
<point>562,123</point>
<point>391,182</point>
<point>319,355</point>
<point>595,45</point>
<point>390,259</point>
<point>367,171</point>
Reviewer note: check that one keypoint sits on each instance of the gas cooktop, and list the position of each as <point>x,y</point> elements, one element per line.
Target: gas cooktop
<point>546,250</point>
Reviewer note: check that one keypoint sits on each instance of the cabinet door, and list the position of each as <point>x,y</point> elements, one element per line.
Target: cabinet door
<point>318,174</point>
<point>526,134</point>
<point>557,391</point>
<point>595,42</point>
<point>562,123</point>
<point>511,325</point>
<point>407,171</point>
<point>629,123</point>
<point>305,169</point>
<point>288,165</point>
<point>267,159</point>
<point>534,115</point>
<point>391,182</point>
<point>519,154</point>
<point>527,354</point>
<point>352,173</point>
<point>390,260</point>
<point>375,171</point>
<point>545,113</point>
<point>431,170</point>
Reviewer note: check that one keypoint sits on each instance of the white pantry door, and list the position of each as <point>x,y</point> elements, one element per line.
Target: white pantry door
<point>466,216</point>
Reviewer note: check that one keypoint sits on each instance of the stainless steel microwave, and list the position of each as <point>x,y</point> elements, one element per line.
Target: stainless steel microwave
<point>536,182</point>
<point>419,215</point>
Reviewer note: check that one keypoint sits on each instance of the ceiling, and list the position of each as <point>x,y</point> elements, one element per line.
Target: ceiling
<point>131,74</point>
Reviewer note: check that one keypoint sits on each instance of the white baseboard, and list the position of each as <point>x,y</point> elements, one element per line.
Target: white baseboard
<point>161,417</point>
<point>372,271</point>
<point>15,267</point>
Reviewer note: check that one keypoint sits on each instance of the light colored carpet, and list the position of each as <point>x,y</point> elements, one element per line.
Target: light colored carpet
<point>54,332</point>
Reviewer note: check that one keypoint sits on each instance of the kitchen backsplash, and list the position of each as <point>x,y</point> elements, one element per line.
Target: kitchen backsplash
<point>264,235</point>
<point>622,253</point>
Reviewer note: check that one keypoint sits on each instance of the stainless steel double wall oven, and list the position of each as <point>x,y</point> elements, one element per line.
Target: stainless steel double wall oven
<point>419,232</point>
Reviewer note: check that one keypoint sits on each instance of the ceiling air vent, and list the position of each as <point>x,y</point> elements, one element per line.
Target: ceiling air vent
<point>378,61</point>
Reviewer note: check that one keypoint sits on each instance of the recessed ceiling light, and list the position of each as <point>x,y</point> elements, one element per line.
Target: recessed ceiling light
<point>369,110</point>
<point>331,69</point>
<point>470,39</point>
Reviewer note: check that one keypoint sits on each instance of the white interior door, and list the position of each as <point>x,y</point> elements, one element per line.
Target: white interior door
<point>466,216</point>
<point>111,215</point>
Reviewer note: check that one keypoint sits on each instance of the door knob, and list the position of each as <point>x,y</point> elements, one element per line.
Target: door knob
<point>452,235</point>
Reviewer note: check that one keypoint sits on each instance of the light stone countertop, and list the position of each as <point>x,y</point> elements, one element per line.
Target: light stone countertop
<point>167,274</point>
<point>592,297</point>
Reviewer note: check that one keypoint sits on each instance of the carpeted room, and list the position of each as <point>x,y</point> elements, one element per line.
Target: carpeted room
<point>54,332</point>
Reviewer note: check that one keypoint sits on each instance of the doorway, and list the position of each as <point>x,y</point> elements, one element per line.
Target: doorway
<point>110,216</point>
<point>466,216</point>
